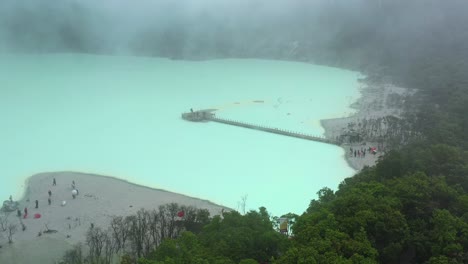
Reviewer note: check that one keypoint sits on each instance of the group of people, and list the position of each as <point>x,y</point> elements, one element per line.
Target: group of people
<point>25,210</point>
<point>361,153</point>
<point>49,199</point>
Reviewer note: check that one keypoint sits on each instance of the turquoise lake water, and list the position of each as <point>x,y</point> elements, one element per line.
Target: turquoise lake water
<point>120,116</point>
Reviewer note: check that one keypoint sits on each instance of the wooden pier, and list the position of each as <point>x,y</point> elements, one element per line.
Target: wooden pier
<point>208,115</point>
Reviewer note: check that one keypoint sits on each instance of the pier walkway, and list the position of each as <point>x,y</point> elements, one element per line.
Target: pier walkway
<point>207,115</point>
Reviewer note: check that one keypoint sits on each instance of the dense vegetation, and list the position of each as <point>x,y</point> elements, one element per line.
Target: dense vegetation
<point>188,237</point>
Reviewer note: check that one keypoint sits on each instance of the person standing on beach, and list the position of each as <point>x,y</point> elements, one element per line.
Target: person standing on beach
<point>49,201</point>
<point>50,193</point>
<point>73,185</point>
<point>37,204</point>
<point>18,212</point>
<point>54,182</point>
<point>25,212</point>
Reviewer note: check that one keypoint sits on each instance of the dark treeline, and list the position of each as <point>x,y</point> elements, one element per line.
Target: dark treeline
<point>166,236</point>
<point>135,236</point>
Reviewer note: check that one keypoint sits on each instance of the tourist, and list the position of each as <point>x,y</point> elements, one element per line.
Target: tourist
<point>18,212</point>
<point>73,184</point>
<point>50,193</point>
<point>49,201</point>
<point>54,182</point>
<point>25,212</point>
<point>37,204</point>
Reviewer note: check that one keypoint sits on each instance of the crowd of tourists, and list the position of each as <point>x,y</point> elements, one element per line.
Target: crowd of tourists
<point>362,152</point>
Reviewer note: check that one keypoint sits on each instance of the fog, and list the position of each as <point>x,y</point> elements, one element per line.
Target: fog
<point>214,28</point>
<point>389,36</point>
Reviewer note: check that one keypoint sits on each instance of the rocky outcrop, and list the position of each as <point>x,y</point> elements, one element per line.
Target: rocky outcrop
<point>10,206</point>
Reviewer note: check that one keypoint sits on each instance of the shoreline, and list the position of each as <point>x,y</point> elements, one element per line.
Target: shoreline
<point>377,100</point>
<point>99,199</point>
<point>116,179</point>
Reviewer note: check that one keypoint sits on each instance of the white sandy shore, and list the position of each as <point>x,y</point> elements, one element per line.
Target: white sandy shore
<point>99,199</point>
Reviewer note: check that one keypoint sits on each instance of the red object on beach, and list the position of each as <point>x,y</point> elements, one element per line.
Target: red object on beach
<point>181,214</point>
<point>37,216</point>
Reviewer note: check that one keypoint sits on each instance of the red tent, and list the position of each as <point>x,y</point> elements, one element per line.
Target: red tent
<point>37,216</point>
<point>181,214</point>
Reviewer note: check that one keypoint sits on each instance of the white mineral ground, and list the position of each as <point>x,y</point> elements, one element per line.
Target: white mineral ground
<point>99,199</point>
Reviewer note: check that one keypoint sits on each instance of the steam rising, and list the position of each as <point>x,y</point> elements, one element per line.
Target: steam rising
<point>334,31</point>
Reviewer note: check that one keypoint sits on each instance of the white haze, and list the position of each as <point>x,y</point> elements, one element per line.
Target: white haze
<point>334,32</point>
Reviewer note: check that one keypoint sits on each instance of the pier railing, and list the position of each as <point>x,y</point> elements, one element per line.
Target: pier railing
<point>201,116</point>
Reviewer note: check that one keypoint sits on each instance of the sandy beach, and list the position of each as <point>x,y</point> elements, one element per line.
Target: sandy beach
<point>99,198</point>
